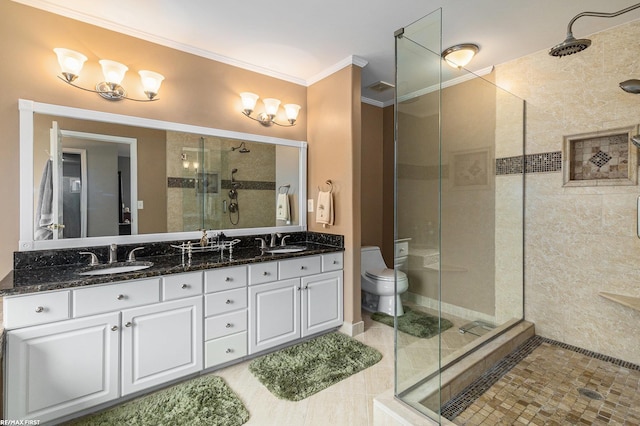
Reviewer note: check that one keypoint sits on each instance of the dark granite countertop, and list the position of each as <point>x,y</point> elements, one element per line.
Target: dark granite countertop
<point>34,279</point>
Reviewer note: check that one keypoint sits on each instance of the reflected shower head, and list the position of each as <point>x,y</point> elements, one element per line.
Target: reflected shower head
<point>636,140</point>
<point>569,46</point>
<point>241,148</point>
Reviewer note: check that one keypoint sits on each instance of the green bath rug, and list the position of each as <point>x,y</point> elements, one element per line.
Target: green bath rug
<point>299,371</point>
<point>415,323</point>
<point>202,401</point>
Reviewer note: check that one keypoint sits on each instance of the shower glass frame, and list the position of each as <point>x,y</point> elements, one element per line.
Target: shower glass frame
<point>459,199</point>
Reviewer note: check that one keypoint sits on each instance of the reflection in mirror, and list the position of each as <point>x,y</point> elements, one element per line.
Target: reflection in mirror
<point>96,175</point>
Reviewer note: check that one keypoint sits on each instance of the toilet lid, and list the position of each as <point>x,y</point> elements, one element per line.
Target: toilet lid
<point>384,274</point>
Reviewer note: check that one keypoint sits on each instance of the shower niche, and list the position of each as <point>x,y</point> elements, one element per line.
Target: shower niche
<point>602,158</point>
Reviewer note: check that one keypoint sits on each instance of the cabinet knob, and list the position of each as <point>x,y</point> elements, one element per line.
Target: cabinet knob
<point>306,287</point>
<point>335,262</point>
<point>120,297</point>
<point>128,324</point>
<point>265,273</point>
<point>228,279</point>
<point>39,309</point>
<point>229,350</point>
<point>114,328</point>
<point>229,325</point>
<point>302,268</point>
<point>184,286</point>
<point>298,288</point>
<point>229,301</point>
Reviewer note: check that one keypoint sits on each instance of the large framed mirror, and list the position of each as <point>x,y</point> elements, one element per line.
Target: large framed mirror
<point>94,178</point>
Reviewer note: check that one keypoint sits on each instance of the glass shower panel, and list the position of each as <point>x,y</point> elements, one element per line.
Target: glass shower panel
<point>459,202</point>
<point>417,200</point>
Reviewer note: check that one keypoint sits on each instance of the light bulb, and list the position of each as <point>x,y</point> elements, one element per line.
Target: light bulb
<point>151,82</point>
<point>292,110</point>
<point>113,71</point>
<point>271,106</point>
<point>248,101</point>
<point>71,62</point>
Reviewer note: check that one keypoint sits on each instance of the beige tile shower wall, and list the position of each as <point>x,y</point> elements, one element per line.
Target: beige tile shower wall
<point>580,241</point>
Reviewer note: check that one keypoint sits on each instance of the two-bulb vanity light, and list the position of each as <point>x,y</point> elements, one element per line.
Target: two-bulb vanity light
<point>267,118</point>
<point>71,63</point>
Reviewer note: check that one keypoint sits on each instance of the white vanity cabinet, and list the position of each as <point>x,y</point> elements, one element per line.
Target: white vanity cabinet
<point>304,301</point>
<point>65,366</point>
<point>226,315</point>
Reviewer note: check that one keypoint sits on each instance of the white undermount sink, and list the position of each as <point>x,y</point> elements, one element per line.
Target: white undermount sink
<point>115,268</point>
<point>285,249</point>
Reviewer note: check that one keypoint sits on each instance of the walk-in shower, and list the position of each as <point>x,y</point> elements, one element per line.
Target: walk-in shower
<point>459,202</point>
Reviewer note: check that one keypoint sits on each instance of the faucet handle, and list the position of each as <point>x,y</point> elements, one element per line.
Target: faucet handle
<point>132,254</point>
<point>94,259</point>
<point>263,243</point>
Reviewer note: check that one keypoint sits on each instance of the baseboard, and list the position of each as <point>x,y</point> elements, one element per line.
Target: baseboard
<point>448,308</point>
<point>352,329</point>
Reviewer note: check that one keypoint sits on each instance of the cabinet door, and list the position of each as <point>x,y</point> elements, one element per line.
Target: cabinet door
<point>161,342</point>
<point>57,369</point>
<point>321,302</point>
<point>274,314</point>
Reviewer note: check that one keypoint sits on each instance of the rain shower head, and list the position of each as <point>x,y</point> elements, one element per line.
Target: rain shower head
<point>631,86</point>
<point>569,46</point>
<point>572,45</point>
<point>242,148</point>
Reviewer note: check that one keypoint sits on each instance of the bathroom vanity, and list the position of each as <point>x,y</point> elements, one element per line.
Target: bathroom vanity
<point>82,342</point>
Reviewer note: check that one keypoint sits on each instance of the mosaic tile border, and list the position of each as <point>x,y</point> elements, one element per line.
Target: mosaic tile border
<point>543,162</point>
<point>456,405</point>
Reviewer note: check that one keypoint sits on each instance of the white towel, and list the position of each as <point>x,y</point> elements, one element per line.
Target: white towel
<point>283,211</point>
<point>324,213</point>
<point>44,212</point>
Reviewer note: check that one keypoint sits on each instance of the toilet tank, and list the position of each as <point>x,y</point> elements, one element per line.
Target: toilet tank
<point>371,259</point>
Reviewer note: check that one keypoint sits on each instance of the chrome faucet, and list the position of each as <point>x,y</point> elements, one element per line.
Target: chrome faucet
<point>274,239</point>
<point>113,253</point>
<point>282,241</point>
<point>132,254</point>
<point>263,243</point>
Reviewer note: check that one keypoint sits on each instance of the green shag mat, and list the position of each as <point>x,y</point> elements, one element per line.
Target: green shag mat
<point>202,401</point>
<point>415,323</point>
<point>299,371</point>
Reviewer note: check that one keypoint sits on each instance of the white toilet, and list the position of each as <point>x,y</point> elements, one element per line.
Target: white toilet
<point>378,283</point>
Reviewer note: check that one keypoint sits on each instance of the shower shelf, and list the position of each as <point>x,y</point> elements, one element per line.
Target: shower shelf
<point>628,301</point>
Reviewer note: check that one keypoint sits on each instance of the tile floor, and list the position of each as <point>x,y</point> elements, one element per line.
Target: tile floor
<point>349,402</point>
<point>545,382</point>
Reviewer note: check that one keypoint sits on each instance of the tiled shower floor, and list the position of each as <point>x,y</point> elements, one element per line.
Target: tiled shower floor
<point>545,382</point>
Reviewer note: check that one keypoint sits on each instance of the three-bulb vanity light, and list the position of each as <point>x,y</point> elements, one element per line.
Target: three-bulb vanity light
<point>267,118</point>
<point>71,63</point>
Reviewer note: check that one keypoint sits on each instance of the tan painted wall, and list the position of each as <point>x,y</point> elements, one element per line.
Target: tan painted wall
<point>334,154</point>
<point>372,176</point>
<point>388,173</point>
<point>196,91</point>
<point>580,241</point>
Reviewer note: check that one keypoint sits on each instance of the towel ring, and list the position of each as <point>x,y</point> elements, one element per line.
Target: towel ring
<point>328,182</point>
<point>286,189</point>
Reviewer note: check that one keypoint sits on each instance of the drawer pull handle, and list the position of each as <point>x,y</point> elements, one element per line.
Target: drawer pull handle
<point>229,350</point>
<point>335,262</point>
<point>229,301</point>
<point>184,286</point>
<point>114,328</point>
<point>298,288</point>
<point>39,309</point>
<point>302,268</point>
<point>265,273</point>
<point>229,325</point>
<point>228,279</point>
<point>120,297</point>
<point>128,324</point>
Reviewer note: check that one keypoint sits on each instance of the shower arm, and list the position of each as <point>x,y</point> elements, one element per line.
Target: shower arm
<point>599,15</point>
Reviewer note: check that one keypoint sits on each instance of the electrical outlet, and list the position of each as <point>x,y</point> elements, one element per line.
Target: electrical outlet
<point>310,205</point>
<point>140,204</point>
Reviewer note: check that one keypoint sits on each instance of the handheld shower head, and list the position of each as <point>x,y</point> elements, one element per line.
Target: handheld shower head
<point>233,172</point>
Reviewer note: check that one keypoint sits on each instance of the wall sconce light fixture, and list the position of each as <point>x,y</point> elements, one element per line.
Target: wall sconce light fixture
<point>267,118</point>
<point>460,55</point>
<point>71,63</point>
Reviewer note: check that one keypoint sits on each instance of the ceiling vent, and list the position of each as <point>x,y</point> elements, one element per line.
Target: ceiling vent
<point>380,86</point>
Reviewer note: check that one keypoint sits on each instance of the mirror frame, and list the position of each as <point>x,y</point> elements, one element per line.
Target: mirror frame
<point>28,108</point>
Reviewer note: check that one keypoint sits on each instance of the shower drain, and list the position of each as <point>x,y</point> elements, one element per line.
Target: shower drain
<point>591,394</point>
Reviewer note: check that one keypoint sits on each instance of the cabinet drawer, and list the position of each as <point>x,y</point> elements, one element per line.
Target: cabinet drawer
<point>223,325</point>
<point>402,248</point>
<point>332,262</point>
<point>225,349</point>
<point>179,286</point>
<point>225,278</point>
<point>298,267</point>
<point>225,301</point>
<point>263,272</point>
<point>113,297</point>
<point>22,311</point>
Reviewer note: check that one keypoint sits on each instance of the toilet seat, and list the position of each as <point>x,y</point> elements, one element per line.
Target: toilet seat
<point>385,274</point>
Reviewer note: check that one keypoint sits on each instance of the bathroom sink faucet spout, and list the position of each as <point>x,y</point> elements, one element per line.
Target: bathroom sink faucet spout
<point>113,253</point>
